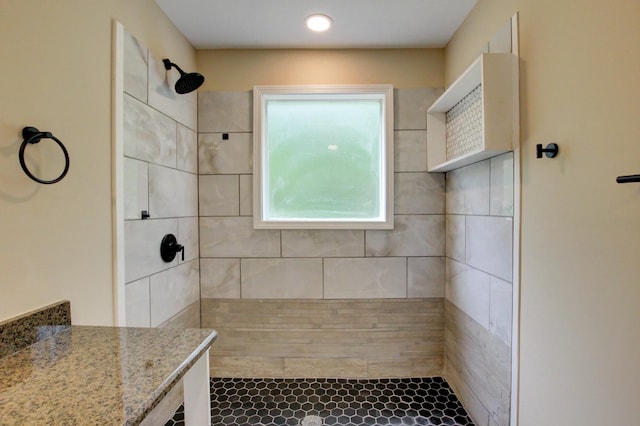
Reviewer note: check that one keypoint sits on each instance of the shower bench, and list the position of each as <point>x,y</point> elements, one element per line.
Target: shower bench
<point>102,375</point>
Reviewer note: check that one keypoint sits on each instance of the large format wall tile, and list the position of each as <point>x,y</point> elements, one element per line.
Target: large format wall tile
<point>410,148</point>
<point>468,189</point>
<point>411,236</point>
<point>490,245</point>
<point>225,112</point>
<point>135,67</point>
<point>410,107</point>
<point>173,290</point>
<point>322,243</point>
<point>456,237</point>
<point>425,277</point>
<point>219,195</point>
<point>246,195</point>
<point>163,97</point>
<point>235,237</point>
<point>136,188</point>
<point>137,307</point>
<point>187,150</point>
<point>501,310</point>
<point>188,236</point>
<point>172,193</point>
<point>502,185</point>
<point>219,156</point>
<point>142,247</point>
<point>148,134</point>
<point>220,278</point>
<point>281,278</point>
<point>470,290</point>
<point>365,278</point>
<point>419,193</point>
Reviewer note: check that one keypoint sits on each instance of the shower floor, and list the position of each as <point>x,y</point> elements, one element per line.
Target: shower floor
<point>315,402</point>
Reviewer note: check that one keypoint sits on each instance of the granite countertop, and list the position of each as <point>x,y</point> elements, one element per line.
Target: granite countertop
<point>96,375</point>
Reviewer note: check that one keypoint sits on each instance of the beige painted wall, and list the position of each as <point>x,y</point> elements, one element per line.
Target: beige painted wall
<point>56,75</point>
<point>580,274</point>
<point>232,70</point>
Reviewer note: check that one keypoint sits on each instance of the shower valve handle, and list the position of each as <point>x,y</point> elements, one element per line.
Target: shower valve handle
<point>169,247</point>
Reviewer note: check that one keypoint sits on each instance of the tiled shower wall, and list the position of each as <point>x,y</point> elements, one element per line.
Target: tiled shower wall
<point>160,176</point>
<point>479,264</point>
<point>326,303</point>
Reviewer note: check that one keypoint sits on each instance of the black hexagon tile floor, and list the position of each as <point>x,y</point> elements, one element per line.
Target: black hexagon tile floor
<point>346,402</point>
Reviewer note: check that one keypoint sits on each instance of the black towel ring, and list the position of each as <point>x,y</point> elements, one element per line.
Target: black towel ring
<point>32,135</point>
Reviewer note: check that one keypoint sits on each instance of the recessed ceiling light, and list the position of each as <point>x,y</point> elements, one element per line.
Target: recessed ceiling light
<point>318,22</point>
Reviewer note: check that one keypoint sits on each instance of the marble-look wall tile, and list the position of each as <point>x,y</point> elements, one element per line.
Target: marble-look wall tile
<point>419,193</point>
<point>411,236</point>
<point>142,247</point>
<point>469,289</point>
<point>225,112</point>
<point>188,236</point>
<point>148,135</point>
<point>359,278</point>
<point>173,290</point>
<point>468,189</point>
<point>490,245</point>
<point>219,195</point>
<point>322,243</point>
<point>410,107</point>
<point>172,193</point>
<point>235,237</point>
<point>246,195</point>
<point>219,278</point>
<point>281,278</point>
<point>137,305</point>
<point>136,188</point>
<point>135,67</point>
<point>456,237</point>
<point>219,156</point>
<point>410,148</point>
<point>187,149</point>
<point>425,277</point>
<point>500,313</point>
<point>163,96</point>
<point>502,185</point>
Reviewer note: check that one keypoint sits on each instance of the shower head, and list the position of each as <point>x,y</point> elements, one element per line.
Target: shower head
<point>188,82</point>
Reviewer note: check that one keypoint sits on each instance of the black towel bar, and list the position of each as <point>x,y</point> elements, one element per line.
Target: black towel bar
<point>628,179</point>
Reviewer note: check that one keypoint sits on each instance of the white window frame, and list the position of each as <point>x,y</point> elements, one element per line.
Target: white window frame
<point>261,94</point>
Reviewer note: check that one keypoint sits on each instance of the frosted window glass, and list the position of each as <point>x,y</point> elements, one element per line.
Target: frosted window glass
<point>323,157</point>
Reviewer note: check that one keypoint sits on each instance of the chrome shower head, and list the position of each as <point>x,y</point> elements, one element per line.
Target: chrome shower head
<point>188,82</point>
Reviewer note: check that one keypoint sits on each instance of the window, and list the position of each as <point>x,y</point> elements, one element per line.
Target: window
<point>323,157</point>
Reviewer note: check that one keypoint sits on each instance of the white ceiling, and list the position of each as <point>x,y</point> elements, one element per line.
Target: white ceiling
<point>218,24</point>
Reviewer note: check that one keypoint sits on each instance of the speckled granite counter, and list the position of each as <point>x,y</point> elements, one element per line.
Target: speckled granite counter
<point>96,375</point>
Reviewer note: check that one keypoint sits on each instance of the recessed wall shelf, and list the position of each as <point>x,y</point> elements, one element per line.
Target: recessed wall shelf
<point>488,91</point>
